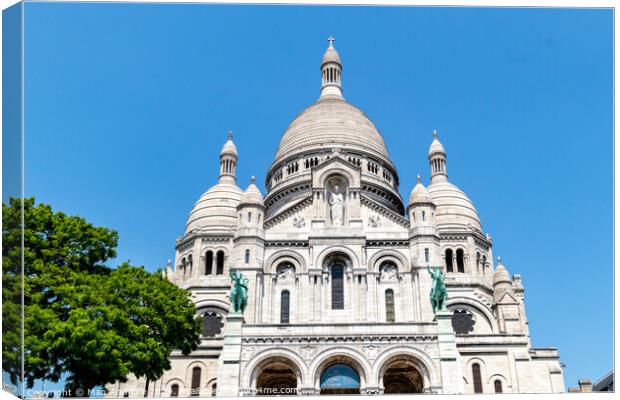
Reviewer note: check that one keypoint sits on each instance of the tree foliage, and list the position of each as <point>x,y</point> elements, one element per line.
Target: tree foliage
<point>83,319</point>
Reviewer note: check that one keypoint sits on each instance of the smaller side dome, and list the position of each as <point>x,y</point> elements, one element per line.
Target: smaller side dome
<point>419,194</point>
<point>436,146</point>
<point>252,195</point>
<point>229,147</point>
<point>501,274</point>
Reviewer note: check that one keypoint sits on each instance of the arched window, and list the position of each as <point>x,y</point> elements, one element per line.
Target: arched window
<point>423,216</point>
<point>478,261</point>
<point>449,267</point>
<point>498,386</point>
<point>214,389</point>
<point>460,262</point>
<point>285,302</point>
<point>426,255</point>
<point>475,371</point>
<point>249,217</point>
<point>220,263</point>
<point>389,306</point>
<point>209,263</point>
<point>337,287</point>
<point>190,262</point>
<point>247,256</point>
<point>183,264</point>
<point>174,390</point>
<point>195,381</point>
<point>484,264</point>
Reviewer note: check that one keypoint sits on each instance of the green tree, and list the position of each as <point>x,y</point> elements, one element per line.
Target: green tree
<point>11,290</point>
<point>93,323</point>
<point>157,318</point>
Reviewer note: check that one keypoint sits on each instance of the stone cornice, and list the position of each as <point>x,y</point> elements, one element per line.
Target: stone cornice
<point>188,241</point>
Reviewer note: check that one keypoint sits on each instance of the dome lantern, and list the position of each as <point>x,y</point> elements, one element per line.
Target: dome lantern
<point>228,160</point>
<point>331,71</point>
<point>437,160</point>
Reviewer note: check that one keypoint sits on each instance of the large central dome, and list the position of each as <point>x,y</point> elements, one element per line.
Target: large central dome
<point>329,122</point>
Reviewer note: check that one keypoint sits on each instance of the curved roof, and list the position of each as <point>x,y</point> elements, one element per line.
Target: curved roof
<point>216,209</point>
<point>331,121</point>
<point>252,195</point>
<point>331,55</point>
<point>454,209</point>
<point>420,194</point>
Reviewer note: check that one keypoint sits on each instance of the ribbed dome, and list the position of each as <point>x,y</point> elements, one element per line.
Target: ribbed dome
<point>252,195</point>
<point>216,209</point>
<point>229,147</point>
<point>436,146</point>
<point>420,194</point>
<point>331,55</point>
<point>454,209</point>
<point>331,121</point>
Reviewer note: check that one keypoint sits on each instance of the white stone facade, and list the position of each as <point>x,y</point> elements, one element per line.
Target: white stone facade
<point>333,238</point>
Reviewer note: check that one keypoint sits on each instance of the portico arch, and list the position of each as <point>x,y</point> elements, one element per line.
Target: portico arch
<point>276,371</point>
<point>417,367</point>
<point>343,362</point>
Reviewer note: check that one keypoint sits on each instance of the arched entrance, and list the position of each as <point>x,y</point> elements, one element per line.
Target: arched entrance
<point>277,376</point>
<point>402,376</point>
<point>339,378</point>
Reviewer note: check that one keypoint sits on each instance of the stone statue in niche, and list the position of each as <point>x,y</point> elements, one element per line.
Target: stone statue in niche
<point>336,202</point>
<point>285,273</point>
<point>389,272</point>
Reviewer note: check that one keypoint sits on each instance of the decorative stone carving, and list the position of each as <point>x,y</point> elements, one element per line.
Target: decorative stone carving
<point>299,222</point>
<point>247,352</point>
<point>371,351</point>
<point>374,221</point>
<point>307,352</point>
<point>389,273</point>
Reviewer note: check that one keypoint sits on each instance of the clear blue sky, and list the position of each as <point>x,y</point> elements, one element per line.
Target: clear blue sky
<point>128,105</point>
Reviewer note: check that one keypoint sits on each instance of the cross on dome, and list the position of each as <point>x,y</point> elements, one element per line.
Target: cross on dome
<point>331,40</point>
<point>230,134</point>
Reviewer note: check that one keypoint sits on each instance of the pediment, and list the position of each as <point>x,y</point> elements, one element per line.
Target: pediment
<point>378,215</point>
<point>507,298</point>
<point>294,214</point>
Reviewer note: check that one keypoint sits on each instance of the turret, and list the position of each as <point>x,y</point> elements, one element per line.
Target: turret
<point>508,308</point>
<point>423,238</point>
<point>421,211</point>
<point>251,208</point>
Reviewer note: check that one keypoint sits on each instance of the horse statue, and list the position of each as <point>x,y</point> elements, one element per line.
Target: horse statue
<point>238,291</point>
<point>439,293</point>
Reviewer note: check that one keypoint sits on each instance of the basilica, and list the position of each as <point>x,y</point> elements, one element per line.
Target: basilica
<point>337,269</point>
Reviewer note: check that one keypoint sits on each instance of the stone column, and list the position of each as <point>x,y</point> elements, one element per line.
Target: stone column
<point>229,361</point>
<point>450,359</point>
